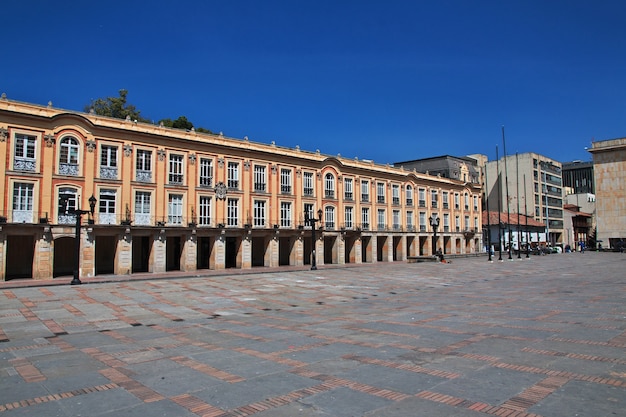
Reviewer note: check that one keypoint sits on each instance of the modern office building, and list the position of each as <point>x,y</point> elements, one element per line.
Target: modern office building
<point>168,199</point>
<point>528,184</point>
<point>609,168</point>
<point>578,176</point>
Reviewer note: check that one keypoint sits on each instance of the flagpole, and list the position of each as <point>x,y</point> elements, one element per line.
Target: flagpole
<point>506,182</point>
<point>488,215</point>
<point>526,215</point>
<point>499,206</point>
<point>519,246</point>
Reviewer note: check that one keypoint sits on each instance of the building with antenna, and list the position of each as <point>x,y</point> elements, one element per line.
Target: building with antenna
<point>535,189</point>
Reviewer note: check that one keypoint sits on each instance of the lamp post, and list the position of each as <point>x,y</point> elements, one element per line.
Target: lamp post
<point>312,221</point>
<point>79,214</point>
<point>434,223</point>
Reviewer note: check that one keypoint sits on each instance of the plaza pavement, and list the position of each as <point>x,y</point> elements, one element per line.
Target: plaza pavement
<point>544,336</point>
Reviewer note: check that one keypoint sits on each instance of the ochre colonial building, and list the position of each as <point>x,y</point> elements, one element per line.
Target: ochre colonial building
<point>169,199</point>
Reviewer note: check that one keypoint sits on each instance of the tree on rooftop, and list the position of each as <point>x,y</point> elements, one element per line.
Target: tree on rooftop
<point>115,107</point>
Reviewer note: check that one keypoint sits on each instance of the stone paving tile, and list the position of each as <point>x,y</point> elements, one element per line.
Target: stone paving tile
<point>345,402</point>
<point>524,338</point>
<point>578,398</point>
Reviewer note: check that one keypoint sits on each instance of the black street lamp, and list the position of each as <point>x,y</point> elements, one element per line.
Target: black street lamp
<point>434,223</point>
<point>310,220</point>
<point>79,214</point>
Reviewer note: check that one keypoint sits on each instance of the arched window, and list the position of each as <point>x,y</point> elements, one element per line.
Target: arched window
<point>67,205</point>
<point>329,185</point>
<point>68,161</point>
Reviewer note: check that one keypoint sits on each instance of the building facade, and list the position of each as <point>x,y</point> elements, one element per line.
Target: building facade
<point>528,184</point>
<point>169,199</point>
<point>609,167</point>
<point>462,168</point>
<point>578,176</point>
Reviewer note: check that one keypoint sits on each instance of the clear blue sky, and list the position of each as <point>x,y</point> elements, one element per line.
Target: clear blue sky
<point>383,80</point>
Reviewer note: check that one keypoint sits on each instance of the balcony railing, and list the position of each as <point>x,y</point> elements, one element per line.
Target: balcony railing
<point>68,169</point>
<point>176,179</point>
<point>308,191</point>
<point>25,164</point>
<point>206,182</point>
<point>22,216</point>
<point>143,176</point>
<point>260,187</point>
<point>365,198</point>
<point>108,173</point>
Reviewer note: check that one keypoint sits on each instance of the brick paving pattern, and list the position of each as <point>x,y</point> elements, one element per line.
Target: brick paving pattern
<point>544,336</point>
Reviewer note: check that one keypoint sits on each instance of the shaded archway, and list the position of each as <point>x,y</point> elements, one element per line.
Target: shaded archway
<point>64,257</point>
<point>20,255</point>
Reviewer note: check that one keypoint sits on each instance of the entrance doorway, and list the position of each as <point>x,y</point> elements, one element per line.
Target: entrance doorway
<point>231,252</point>
<point>174,251</point>
<point>20,253</point>
<point>106,247</point>
<point>142,246</point>
<point>284,251</point>
<point>64,256</point>
<point>205,246</point>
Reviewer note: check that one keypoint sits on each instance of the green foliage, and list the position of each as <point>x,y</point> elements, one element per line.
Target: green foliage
<point>115,107</point>
<point>119,108</point>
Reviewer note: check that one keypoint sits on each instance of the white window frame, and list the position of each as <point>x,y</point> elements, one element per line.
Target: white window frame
<point>107,203</point>
<point>69,150</point>
<point>308,184</point>
<point>285,181</point>
<point>176,176</point>
<point>329,185</point>
<point>395,218</point>
<point>285,213</point>
<point>204,210</point>
<point>365,191</point>
<point>348,189</point>
<point>422,197</point>
<point>348,217</point>
<point>380,192</point>
<point>395,194</point>
<point>233,175</point>
<point>206,172</point>
<point>329,218</point>
<point>70,194</point>
<point>232,212</point>
<point>365,218</point>
<point>143,165</point>
<point>175,209</point>
<point>381,218</point>
<point>409,195</point>
<point>260,178</point>
<point>434,198</point>
<point>259,213</point>
<point>23,198</point>
<point>25,152</point>
<point>143,207</point>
